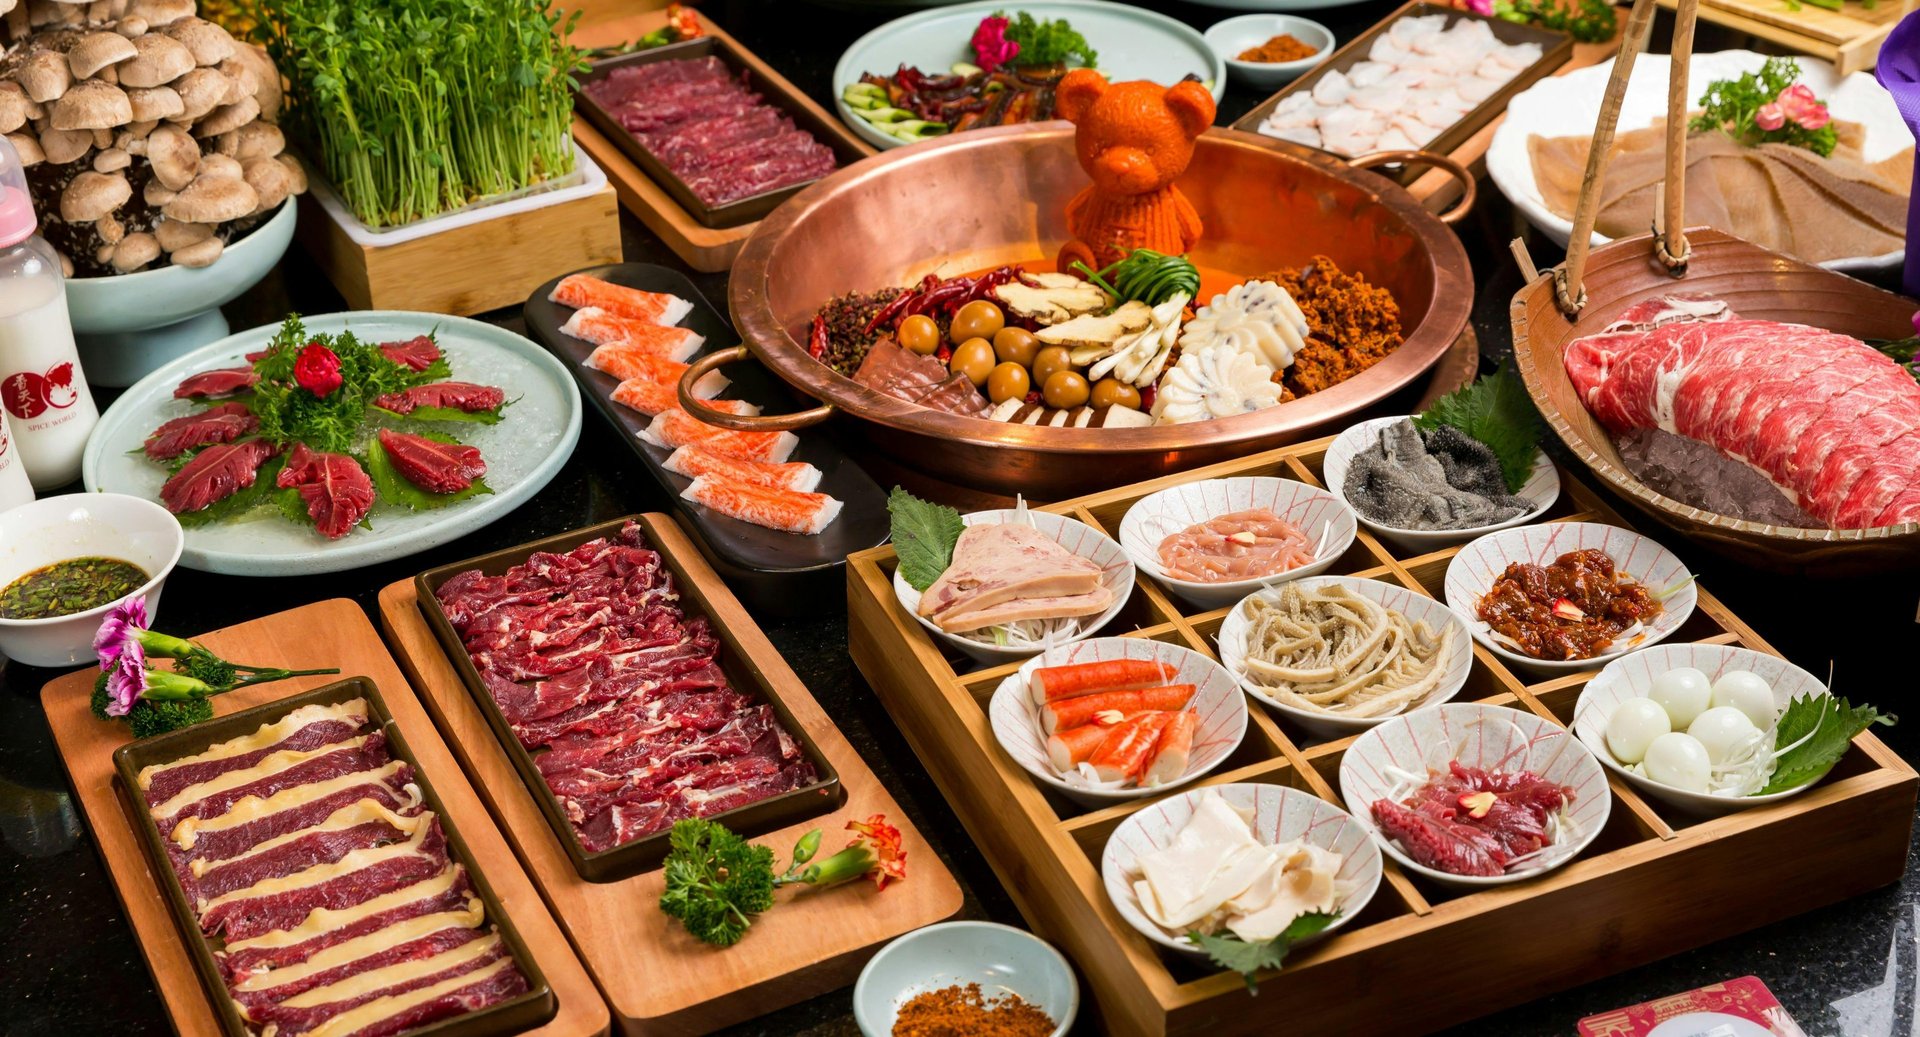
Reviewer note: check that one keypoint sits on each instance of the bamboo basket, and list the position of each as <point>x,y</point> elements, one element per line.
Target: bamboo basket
<point>1593,287</point>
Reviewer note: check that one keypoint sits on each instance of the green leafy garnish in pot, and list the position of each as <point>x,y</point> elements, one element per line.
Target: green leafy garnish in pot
<point>1813,734</point>
<point>1149,276</point>
<point>1497,411</point>
<point>923,536</point>
<point>1237,955</point>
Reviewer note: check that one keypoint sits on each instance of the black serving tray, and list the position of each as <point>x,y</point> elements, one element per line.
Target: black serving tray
<point>779,571</point>
<point>734,213</point>
<point>529,1010</point>
<point>788,808</point>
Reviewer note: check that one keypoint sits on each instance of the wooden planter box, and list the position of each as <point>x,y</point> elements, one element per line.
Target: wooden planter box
<point>1420,957</point>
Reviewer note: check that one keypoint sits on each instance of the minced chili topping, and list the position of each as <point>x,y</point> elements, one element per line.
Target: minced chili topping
<point>1351,325</point>
<point>1572,609</point>
<point>964,1011</point>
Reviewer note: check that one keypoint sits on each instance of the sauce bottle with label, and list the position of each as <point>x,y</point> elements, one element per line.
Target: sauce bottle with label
<point>50,412</point>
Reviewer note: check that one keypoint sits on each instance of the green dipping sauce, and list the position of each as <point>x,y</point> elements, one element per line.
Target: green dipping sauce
<point>75,585</point>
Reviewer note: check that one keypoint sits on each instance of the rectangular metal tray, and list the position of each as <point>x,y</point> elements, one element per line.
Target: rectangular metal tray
<point>778,95</point>
<point>531,1009</point>
<point>619,862</point>
<point>1556,49</point>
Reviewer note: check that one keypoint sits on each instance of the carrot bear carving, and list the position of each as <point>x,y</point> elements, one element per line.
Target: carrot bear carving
<point>1134,140</point>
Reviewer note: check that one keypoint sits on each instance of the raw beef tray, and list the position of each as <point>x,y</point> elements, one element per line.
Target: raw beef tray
<point>581,714</point>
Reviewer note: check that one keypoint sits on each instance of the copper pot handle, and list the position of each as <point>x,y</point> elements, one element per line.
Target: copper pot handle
<point>1468,190</point>
<point>740,422</point>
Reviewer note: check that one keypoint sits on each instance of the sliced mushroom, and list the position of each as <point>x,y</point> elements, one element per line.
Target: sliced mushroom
<point>161,60</point>
<point>201,91</point>
<point>64,146</point>
<point>44,75</point>
<point>174,235</point>
<point>257,139</point>
<point>92,105</point>
<point>157,194</point>
<point>111,160</point>
<point>174,156</point>
<point>227,118</point>
<point>212,199</point>
<point>110,229</point>
<point>220,165</point>
<point>14,106</point>
<point>161,12</point>
<point>270,180</point>
<point>201,253</point>
<point>97,50</point>
<point>155,102</point>
<point>240,81</point>
<point>209,43</point>
<point>28,148</point>
<point>92,195</point>
<point>134,252</point>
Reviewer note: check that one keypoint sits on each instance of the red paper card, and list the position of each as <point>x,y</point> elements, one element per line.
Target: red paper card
<point>1741,1007</point>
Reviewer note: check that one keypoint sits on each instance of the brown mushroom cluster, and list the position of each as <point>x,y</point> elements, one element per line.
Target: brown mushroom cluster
<point>147,132</point>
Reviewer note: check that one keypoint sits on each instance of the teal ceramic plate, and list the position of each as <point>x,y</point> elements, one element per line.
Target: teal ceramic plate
<point>523,452</point>
<point>1132,44</point>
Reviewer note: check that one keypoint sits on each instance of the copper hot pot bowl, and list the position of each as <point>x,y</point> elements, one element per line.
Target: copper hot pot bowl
<point>988,197</point>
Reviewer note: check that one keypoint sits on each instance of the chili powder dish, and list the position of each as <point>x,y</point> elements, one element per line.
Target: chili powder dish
<point>71,586</point>
<point>1573,609</point>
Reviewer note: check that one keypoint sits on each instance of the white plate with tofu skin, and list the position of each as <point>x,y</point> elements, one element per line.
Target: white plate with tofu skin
<point>1222,710</point>
<point>1116,576</point>
<point>1326,520</point>
<point>1279,815</point>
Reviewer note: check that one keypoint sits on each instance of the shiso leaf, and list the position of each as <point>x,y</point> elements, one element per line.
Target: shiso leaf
<point>923,536</point>
<point>234,506</point>
<point>1823,725</point>
<point>1497,411</point>
<point>390,487</point>
<point>1237,955</point>
<point>485,417</point>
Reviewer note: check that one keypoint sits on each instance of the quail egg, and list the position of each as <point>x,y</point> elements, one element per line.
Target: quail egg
<point>1684,693</point>
<point>1633,726</point>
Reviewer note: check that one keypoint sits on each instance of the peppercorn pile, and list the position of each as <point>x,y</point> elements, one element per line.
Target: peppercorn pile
<point>840,337</point>
<point>964,1011</point>
<point>1352,325</point>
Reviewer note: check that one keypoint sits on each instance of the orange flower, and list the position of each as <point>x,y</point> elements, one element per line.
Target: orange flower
<point>883,839</point>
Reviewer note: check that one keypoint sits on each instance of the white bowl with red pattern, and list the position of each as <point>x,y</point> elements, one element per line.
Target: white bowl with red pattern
<point>1326,520</point>
<point>1386,763</point>
<point>1116,575</point>
<point>1478,565</point>
<point>1416,607</point>
<point>1216,697</point>
<point>1541,490</point>
<point>1280,815</point>
<point>1633,676</point>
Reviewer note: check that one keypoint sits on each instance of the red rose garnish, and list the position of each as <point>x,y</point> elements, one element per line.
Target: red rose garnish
<point>317,369</point>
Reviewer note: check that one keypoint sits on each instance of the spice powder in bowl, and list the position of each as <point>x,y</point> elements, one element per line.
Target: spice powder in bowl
<point>965,1011</point>
<point>1284,47</point>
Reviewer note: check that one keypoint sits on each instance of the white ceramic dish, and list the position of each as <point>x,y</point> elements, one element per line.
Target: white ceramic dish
<point>1235,35</point>
<point>129,325</point>
<point>1280,814</point>
<point>1568,105</point>
<point>1002,959</point>
<point>1131,43</point>
<point>1477,736</point>
<point>1480,563</point>
<point>1416,607</point>
<point>1117,575</point>
<point>80,525</point>
<point>1216,697</point>
<point>523,452</point>
<point>1631,677</point>
<point>1326,520</point>
<point>1542,488</point>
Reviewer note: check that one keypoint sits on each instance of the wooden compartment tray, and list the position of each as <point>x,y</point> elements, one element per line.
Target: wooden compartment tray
<point>658,979</point>
<point>1420,957</point>
<point>87,746</point>
<point>1850,37</point>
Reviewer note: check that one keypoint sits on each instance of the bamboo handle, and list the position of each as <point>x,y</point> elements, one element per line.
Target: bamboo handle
<point>1569,293</point>
<point>1670,237</point>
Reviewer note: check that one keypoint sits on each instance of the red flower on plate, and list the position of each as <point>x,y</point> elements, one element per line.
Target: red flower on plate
<point>317,369</point>
<point>883,839</point>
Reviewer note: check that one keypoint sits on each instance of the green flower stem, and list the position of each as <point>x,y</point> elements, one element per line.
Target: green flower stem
<point>166,646</point>
<point>848,864</point>
<point>165,685</point>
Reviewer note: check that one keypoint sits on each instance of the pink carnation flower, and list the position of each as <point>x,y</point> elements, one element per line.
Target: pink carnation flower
<point>991,48</point>
<point>1798,103</point>
<point>1770,117</point>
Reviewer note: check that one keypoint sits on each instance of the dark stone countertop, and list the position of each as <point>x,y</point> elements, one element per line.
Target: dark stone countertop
<point>70,964</point>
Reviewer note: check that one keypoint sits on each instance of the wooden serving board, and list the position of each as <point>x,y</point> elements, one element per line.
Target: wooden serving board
<point>1421,956</point>
<point>707,249</point>
<point>86,746</point>
<point>658,979</point>
<point>1850,37</point>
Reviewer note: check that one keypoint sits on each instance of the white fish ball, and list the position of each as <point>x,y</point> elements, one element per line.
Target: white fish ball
<point>1633,726</point>
<point>1684,693</point>
<point>1678,759</point>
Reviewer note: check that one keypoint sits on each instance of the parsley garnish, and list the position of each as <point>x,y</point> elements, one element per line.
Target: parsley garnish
<point>1051,42</point>
<point>923,536</point>
<point>716,881</point>
<point>1819,728</point>
<point>1729,105</point>
<point>1237,955</point>
<point>1497,411</point>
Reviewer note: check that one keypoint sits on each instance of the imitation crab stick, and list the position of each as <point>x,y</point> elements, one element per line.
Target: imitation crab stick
<point>676,428</point>
<point>1067,749</point>
<point>599,327</point>
<point>693,462</point>
<point>580,291</point>
<point>1051,683</point>
<point>624,361</point>
<point>1085,709</point>
<point>1124,754</point>
<point>650,397</point>
<point>789,511</point>
<point>1175,748</point>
